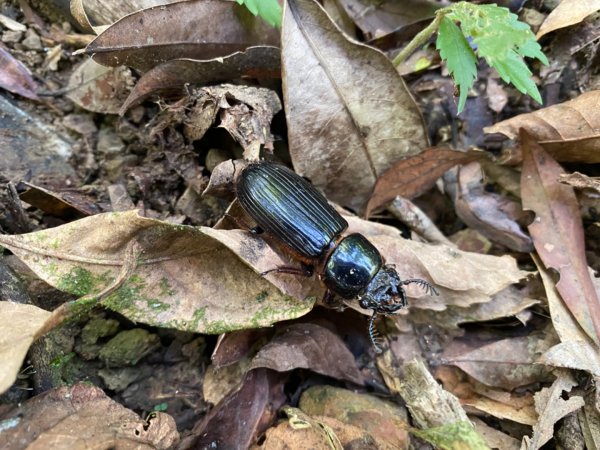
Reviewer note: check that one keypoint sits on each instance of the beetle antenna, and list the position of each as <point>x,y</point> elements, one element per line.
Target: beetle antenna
<point>374,334</point>
<point>429,289</point>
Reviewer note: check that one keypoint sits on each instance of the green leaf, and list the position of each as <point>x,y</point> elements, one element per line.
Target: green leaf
<point>502,40</point>
<point>513,70</point>
<point>460,58</point>
<point>458,435</point>
<point>269,10</point>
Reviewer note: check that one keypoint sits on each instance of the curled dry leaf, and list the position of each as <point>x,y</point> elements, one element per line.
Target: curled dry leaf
<point>14,76</point>
<point>80,415</point>
<point>491,214</point>
<point>309,346</point>
<point>185,279</point>
<point>567,13</point>
<point>19,324</point>
<point>386,422</point>
<point>416,174</point>
<point>493,437</point>
<point>580,181</point>
<point>515,406</point>
<point>99,89</point>
<point>180,30</point>
<point>350,115</point>
<point>506,363</point>
<point>569,131</point>
<point>260,62</point>
<point>557,233</point>
<point>551,405</point>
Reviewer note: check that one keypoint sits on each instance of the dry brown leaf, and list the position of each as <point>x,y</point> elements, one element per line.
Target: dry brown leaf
<point>152,36</point>
<point>15,77</point>
<point>580,181</point>
<point>569,131</point>
<point>493,215</point>
<point>382,17</point>
<point>185,278</point>
<point>518,407</point>
<point>551,405</point>
<point>82,416</point>
<point>98,88</point>
<point>494,438</point>
<point>172,76</point>
<point>506,303</point>
<point>567,13</point>
<point>386,422</point>
<point>416,174</point>
<point>19,324</point>
<point>242,416</point>
<point>309,346</point>
<point>349,113</point>
<point>506,363</point>
<point>557,233</point>
<point>103,13</point>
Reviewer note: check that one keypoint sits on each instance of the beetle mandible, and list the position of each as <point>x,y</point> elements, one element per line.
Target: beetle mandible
<point>294,212</point>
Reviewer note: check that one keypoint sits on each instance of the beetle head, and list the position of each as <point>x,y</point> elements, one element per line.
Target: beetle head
<point>384,294</point>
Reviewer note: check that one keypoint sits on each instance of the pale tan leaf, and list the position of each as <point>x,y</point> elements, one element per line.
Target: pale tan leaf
<point>551,407</point>
<point>574,355</point>
<point>185,279</point>
<point>567,13</point>
<point>81,417</point>
<point>19,324</point>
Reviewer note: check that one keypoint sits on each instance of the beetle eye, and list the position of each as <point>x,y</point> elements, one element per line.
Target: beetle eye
<point>364,304</point>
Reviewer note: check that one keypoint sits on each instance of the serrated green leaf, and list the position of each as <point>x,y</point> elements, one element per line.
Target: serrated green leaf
<point>502,40</point>
<point>460,58</point>
<point>269,10</point>
<point>513,70</point>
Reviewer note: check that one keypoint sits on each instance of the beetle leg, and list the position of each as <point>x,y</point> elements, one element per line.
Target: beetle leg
<point>424,284</point>
<point>305,270</point>
<point>374,334</point>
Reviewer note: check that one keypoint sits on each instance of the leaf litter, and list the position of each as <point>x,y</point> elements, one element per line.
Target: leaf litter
<point>506,336</point>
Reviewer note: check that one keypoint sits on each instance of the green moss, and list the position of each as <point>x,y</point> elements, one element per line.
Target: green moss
<point>61,360</point>
<point>80,281</point>
<point>165,288</point>
<point>262,296</point>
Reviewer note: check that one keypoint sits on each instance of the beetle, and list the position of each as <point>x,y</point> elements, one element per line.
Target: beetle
<point>294,212</point>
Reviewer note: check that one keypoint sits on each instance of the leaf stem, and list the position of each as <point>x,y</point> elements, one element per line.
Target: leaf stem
<point>420,39</point>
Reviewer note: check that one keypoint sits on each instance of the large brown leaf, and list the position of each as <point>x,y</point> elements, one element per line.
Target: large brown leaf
<point>172,76</point>
<point>417,174</point>
<point>557,233</point>
<point>82,417</point>
<point>567,13</point>
<point>569,131</point>
<point>350,115</point>
<point>186,278</point>
<point>186,29</point>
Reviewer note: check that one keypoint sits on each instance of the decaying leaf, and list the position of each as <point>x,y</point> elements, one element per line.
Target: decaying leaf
<point>382,17</point>
<point>19,324</point>
<point>83,416</point>
<point>98,88</point>
<point>557,233</point>
<point>172,76</point>
<point>567,13</point>
<point>580,181</point>
<point>386,422</point>
<point>309,346</point>
<point>552,406</point>
<point>416,174</point>
<point>491,214</point>
<point>349,113</point>
<point>506,363</point>
<point>569,131</point>
<point>185,279</point>
<point>14,76</point>
<point>242,416</point>
<point>180,30</point>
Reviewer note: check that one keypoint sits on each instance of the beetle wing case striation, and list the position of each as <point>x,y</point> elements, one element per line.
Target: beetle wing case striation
<point>294,212</point>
